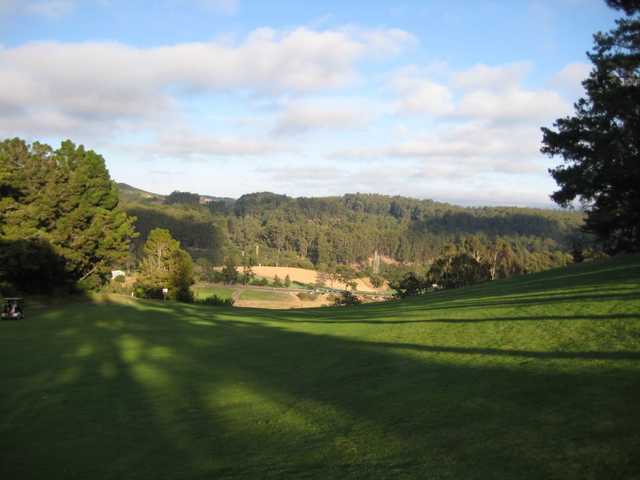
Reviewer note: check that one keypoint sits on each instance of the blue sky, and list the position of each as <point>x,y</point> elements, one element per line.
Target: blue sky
<point>225,97</point>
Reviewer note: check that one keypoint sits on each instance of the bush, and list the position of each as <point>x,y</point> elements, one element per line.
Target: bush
<point>259,282</point>
<point>92,283</point>
<point>411,285</point>
<point>346,299</point>
<point>216,301</point>
<point>144,291</point>
<point>115,287</point>
<point>119,279</point>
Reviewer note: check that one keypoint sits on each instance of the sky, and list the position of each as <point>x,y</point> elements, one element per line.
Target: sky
<point>427,98</point>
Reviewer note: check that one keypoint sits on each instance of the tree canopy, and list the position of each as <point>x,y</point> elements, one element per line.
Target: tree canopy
<point>60,203</point>
<point>600,143</point>
<point>165,265</point>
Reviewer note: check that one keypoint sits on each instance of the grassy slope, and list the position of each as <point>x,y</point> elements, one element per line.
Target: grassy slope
<point>537,377</point>
<point>262,295</point>
<point>206,291</point>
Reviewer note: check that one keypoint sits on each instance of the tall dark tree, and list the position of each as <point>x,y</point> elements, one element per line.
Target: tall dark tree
<point>64,198</point>
<point>600,144</point>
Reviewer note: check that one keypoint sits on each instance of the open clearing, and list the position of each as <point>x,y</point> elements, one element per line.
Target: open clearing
<point>535,377</point>
<point>311,277</point>
<point>202,292</point>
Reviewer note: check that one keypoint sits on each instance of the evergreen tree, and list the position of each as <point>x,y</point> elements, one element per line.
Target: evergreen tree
<point>181,276</point>
<point>600,144</point>
<point>66,198</point>
<point>166,265</point>
<point>159,251</point>
<point>229,271</point>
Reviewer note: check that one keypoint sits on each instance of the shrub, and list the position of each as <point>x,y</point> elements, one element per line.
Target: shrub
<point>145,291</point>
<point>346,299</point>
<point>259,282</point>
<point>216,301</point>
<point>119,279</point>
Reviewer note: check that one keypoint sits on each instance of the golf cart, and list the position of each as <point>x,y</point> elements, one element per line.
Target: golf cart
<point>13,309</point>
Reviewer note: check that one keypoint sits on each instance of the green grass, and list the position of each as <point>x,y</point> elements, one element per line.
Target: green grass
<point>532,378</point>
<point>201,292</point>
<point>262,295</point>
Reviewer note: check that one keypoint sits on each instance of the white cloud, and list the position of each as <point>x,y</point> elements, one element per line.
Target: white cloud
<point>490,93</point>
<point>569,79</point>
<point>100,81</point>
<point>511,105</point>
<point>421,95</point>
<point>470,146</point>
<point>483,135</point>
<point>416,180</point>
<point>488,77</point>
<point>383,41</point>
<point>187,145</point>
<point>323,114</point>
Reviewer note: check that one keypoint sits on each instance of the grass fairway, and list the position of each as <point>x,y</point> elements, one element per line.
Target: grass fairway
<point>264,295</point>
<point>533,378</point>
<point>206,291</point>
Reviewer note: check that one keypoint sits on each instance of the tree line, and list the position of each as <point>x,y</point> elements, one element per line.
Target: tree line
<point>321,233</point>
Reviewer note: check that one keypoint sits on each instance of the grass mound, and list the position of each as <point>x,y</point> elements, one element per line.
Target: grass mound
<point>535,377</point>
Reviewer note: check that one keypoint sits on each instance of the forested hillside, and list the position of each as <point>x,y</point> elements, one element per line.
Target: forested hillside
<point>267,228</point>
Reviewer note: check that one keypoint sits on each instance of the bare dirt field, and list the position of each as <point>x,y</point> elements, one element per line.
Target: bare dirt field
<point>312,277</point>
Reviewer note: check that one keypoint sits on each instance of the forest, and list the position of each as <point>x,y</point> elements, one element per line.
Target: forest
<point>271,229</point>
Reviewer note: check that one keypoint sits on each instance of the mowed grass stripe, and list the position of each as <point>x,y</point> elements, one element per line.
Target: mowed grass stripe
<point>534,377</point>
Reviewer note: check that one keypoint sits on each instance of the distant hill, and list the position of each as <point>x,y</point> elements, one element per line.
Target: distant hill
<point>130,193</point>
<point>273,229</point>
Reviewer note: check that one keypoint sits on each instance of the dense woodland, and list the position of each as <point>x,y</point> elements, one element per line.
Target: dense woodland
<point>266,228</point>
<point>64,223</point>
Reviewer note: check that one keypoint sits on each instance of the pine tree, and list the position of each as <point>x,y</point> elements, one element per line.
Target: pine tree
<point>66,198</point>
<point>166,265</point>
<point>600,144</point>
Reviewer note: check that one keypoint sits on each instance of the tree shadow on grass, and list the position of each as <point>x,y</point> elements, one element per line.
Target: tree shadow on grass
<point>146,390</point>
<point>370,319</point>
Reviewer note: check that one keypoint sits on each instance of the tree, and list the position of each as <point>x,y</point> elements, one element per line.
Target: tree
<point>410,285</point>
<point>600,144</point>
<point>186,198</point>
<point>181,276</point>
<point>166,265</point>
<point>229,271</point>
<point>346,299</point>
<point>65,198</point>
<point>159,250</point>
<point>247,274</point>
<point>287,281</point>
